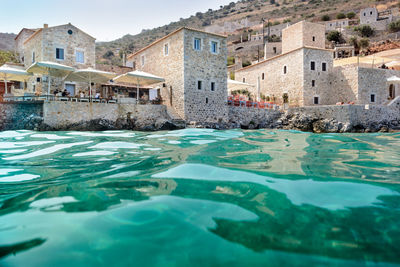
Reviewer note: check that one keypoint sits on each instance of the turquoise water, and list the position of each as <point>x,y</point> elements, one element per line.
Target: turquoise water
<point>198,197</point>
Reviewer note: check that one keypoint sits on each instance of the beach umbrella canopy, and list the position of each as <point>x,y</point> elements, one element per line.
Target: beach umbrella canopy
<point>90,76</point>
<point>51,69</point>
<point>236,85</point>
<point>394,79</point>
<point>8,73</point>
<point>139,78</point>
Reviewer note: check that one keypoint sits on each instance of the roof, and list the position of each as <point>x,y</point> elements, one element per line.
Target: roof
<point>24,29</point>
<point>33,35</point>
<point>172,33</point>
<point>287,53</point>
<point>69,24</point>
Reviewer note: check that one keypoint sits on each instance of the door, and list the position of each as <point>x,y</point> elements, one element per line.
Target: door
<point>70,88</point>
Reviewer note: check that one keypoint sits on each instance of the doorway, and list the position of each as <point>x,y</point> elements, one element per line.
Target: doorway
<point>70,88</point>
<point>392,93</point>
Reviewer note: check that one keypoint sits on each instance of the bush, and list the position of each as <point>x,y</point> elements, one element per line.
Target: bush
<point>108,55</point>
<point>364,30</point>
<point>394,26</point>
<point>325,18</point>
<point>246,64</point>
<point>334,36</point>
<point>364,43</point>
<point>341,16</point>
<point>7,56</point>
<point>351,15</point>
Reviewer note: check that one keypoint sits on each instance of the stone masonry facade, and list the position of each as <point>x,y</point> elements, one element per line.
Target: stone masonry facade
<point>43,44</point>
<point>303,34</point>
<point>195,76</point>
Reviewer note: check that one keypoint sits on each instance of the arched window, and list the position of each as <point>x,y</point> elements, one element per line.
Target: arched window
<point>262,76</point>
<point>284,69</point>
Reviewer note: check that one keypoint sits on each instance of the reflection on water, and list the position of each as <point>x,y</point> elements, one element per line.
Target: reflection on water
<point>199,197</point>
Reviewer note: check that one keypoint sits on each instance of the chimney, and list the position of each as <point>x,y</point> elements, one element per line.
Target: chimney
<point>45,25</point>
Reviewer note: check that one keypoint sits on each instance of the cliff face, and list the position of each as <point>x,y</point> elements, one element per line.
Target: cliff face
<point>7,41</point>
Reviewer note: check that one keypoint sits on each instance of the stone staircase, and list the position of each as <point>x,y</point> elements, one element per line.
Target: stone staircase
<point>175,117</point>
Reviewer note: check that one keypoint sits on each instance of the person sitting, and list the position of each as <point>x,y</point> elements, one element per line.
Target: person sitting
<point>55,92</point>
<point>81,94</point>
<point>64,93</point>
<point>97,96</point>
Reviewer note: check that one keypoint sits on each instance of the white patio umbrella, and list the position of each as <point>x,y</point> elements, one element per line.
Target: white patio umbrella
<point>91,76</point>
<point>51,69</point>
<point>8,73</point>
<point>139,78</point>
<point>236,85</point>
<point>393,79</point>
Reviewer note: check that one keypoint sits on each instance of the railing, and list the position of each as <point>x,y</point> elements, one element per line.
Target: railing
<point>28,98</point>
<point>252,104</point>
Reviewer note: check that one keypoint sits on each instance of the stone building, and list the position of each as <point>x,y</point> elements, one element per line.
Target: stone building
<point>300,75</point>
<point>306,76</point>
<point>375,19</point>
<point>193,64</point>
<point>64,44</point>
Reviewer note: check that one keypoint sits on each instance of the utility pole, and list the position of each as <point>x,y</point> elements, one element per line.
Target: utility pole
<point>262,21</point>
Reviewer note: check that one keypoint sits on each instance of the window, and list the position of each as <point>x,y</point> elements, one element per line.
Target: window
<point>206,100</point>
<point>324,66</point>
<point>313,83</point>
<point>262,76</point>
<point>313,38</point>
<point>143,60</point>
<point>274,48</point>
<point>33,57</point>
<point>370,13</point>
<point>80,57</point>
<point>197,44</point>
<point>244,80</point>
<point>199,85</point>
<point>214,47</point>
<point>316,100</point>
<point>212,86</point>
<point>284,69</point>
<point>312,65</point>
<point>365,14</point>
<point>166,50</point>
<point>372,98</point>
<point>60,53</point>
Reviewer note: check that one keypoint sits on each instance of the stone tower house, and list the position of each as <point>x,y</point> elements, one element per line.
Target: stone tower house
<point>193,64</point>
<point>303,34</point>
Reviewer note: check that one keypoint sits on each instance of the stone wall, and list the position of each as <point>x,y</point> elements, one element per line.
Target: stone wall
<point>66,115</point>
<point>243,117</point>
<point>14,116</point>
<point>19,43</point>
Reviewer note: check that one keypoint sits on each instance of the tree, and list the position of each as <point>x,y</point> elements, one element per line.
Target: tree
<point>335,36</point>
<point>351,15</point>
<point>108,55</point>
<point>325,18</point>
<point>365,30</point>
<point>7,56</point>
<point>341,16</point>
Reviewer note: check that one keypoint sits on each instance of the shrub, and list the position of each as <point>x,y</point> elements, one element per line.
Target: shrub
<point>351,15</point>
<point>325,18</point>
<point>364,30</point>
<point>364,43</point>
<point>246,64</point>
<point>341,16</point>
<point>394,26</point>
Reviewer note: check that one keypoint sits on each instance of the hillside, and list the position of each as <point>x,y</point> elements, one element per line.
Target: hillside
<point>7,41</point>
<point>277,11</point>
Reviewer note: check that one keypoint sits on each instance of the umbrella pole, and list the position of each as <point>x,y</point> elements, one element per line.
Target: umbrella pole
<point>5,83</point>
<point>48,86</point>
<point>137,93</point>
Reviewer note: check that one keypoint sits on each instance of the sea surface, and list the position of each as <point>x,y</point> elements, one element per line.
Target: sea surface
<point>199,197</point>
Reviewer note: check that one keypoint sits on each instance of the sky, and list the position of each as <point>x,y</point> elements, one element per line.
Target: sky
<point>106,20</point>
